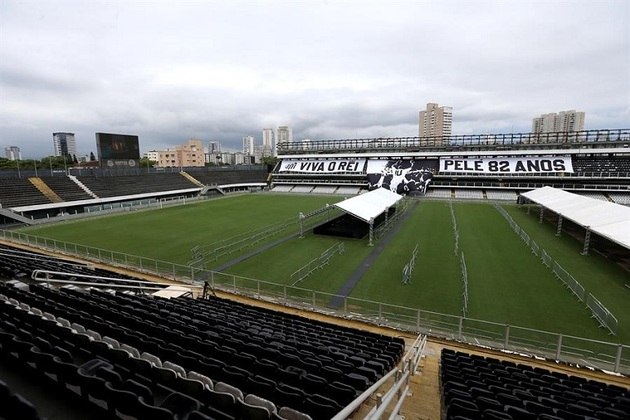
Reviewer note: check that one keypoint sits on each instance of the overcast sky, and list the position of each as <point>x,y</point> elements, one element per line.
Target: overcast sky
<point>220,70</point>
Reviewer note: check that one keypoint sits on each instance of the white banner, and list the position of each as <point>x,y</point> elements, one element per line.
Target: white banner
<point>507,165</point>
<point>322,166</point>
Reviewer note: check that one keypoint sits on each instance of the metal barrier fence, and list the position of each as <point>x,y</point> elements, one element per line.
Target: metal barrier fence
<point>608,356</point>
<point>605,318</point>
<point>464,270</point>
<point>317,263</point>
<point>601,313</point>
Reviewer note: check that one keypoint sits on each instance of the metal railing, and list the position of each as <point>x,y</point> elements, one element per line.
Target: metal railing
<point>605,318</point>
<point>401,374</point>
<point>609,356</point>
<point>457,142</point>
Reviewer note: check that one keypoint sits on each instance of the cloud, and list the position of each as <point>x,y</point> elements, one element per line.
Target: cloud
<point>225,69</point>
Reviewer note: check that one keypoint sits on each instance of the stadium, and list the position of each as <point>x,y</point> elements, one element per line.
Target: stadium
<point>476,276</point>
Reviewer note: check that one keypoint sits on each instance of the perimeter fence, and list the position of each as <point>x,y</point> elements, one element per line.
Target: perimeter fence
<point>613,357</point>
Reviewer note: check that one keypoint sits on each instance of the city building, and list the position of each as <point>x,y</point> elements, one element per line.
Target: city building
<point>284,134</point>
<point>436,123</point>
<point>248,145</point>
<point>153,155</point>
<point>214,153</point>
<point>561,122</point>
<point>64,144</point>
<point>184,156</point>
<point>13,153</point>
<point>268,144</point>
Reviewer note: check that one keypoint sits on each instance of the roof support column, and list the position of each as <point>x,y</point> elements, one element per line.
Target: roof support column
<point>542,213</point>
<point>371,243</point>
<point>587,241</point>
<point>559,227</point>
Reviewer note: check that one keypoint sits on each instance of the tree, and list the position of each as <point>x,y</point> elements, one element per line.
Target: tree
<point>146,163</point>
<point>270,160</point>
<point>92,157</point>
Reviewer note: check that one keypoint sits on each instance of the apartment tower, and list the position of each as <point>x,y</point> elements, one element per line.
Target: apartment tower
<point>435,123</point>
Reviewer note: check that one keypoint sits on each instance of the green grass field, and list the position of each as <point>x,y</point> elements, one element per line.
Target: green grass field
<point>507,283</point>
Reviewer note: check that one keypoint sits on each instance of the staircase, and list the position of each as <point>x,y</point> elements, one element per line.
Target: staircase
<point>15,216</point>
<point>45,189</point>
<point>82,186</point>
<point>191,179</point>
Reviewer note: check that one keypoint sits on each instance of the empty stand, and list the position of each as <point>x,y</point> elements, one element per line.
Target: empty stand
<point>501,195</point>
<point>229,176</point>
<point>17,192</point>
<point>65,188</point>
<point>478,387</point>
<point>470,194</point>
<point>146,356</point>
<point>106,186</point>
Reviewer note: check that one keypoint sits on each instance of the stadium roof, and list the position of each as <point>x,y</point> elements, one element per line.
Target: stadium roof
<point>609,220</point>
<point>369,205</point>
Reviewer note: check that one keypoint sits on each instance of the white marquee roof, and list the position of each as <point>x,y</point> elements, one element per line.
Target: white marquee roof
<point>610,220</point>
<point>369,205</point>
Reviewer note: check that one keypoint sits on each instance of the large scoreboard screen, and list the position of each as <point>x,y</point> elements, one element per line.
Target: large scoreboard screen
<point>116,150</point>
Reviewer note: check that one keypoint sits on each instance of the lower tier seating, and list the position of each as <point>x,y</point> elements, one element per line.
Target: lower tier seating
<point>478,387</point>
<point>149,357</point>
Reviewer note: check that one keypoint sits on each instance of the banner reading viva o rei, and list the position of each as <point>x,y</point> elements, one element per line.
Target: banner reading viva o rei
<point>323,166</point>
<point>507,165</point>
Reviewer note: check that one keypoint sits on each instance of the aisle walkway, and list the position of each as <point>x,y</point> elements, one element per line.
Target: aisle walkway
<point>344,291</point>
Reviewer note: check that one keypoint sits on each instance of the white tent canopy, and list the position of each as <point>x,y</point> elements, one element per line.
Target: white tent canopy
<point>369,205</point>
<point>609,220</point>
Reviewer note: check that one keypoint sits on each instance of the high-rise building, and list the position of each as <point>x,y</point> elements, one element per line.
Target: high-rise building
<point>435,122</point>
<point>13,153</point>
<point>268,144</point>
<point>214,147</point>
<point>561,122</point>
<point>213,156</point>
<point>64,144</point>
<point>284,134</point>
<point>248,145</point>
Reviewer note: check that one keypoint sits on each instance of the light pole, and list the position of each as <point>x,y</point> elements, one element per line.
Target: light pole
<point>18,167</point>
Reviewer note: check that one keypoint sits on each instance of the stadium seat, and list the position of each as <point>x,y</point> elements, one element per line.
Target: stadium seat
<point>341,392</point>
<point>286,413</point>
<point>19,407</point>
<point>248,411</point>
<point>490,414</point>
<point>320,408</point>
<point>180,405</point>
<point>288,396</point>
<point>149,411</point>
<point>122,402</point>
<point>261,386</point>
<point>519,413</point>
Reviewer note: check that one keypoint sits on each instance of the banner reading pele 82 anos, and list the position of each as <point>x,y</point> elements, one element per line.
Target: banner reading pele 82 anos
<point>507,165</point>
<point>313,166</point>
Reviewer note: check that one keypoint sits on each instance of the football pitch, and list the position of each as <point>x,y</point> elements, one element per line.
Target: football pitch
<point>507,283</point>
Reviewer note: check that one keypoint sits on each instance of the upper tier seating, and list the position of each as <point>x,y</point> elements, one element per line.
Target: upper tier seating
<point>65,188</point>
<point>601,165</point>
<point>214,356</point>
<point>107,186</point>
<point>483,387</point>
<point>16,192</point>
<point>224,177</point>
